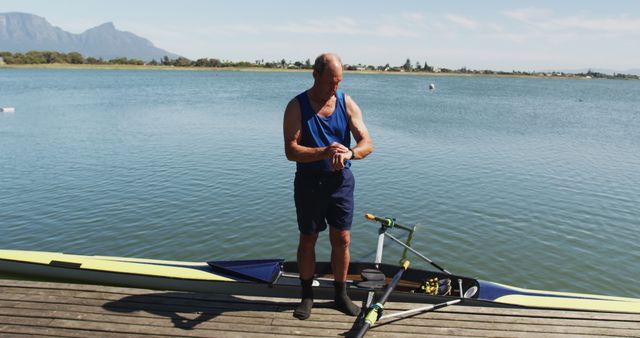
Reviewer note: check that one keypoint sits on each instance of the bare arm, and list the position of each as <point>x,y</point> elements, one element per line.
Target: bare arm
<point>364,144</point>
<point>292,136</point>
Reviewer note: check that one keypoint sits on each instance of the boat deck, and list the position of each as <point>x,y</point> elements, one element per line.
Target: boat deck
<point>75,310</point>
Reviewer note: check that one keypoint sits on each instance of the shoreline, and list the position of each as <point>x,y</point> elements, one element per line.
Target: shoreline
<point>280,70</point>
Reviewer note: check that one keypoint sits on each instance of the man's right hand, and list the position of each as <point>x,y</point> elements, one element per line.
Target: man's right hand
<point>339,154</point>
<point>336,148</point>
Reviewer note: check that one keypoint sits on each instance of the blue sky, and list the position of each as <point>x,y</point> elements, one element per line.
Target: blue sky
<point>501,35</point>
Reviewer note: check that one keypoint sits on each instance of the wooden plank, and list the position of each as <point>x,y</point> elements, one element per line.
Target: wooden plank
<point>530,320</point>
<point>408,326</point>
<point>144,328</point>
<point>324,308</point>
<point>185,320</point>
<point>188,298</point>
<point>210,331</point>
<point>391,306</point>
<point>246,310</point>
<point>169,321</point>
<point>10,330</point>
<point>419,325</point>
<point>152,303</point>
<point>33,331</point>
<point>141,302</point>
<point>114,296</point>
<point>60,309</point>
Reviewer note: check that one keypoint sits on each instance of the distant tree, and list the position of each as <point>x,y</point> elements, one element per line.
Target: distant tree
<point>182,62</point>
<point>18,58</point>
<point>202,63</point>
<point>426,67</point>
<point>307,64</point>
<point>55,57</point>
<point>418,67</point>
<point>153,62</point>
<point>119,61</point>
<point>34,57</point>
<point>283,63</point>
<point>8,58</point>
<point>75,58</point>
<point>243,64</point>
<point>166,61</point>
<point>407,65</point>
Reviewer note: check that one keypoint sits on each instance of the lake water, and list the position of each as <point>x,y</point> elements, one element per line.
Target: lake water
<point>529,182</point>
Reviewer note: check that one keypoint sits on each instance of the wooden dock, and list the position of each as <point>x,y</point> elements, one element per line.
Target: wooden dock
<point>77,310</point>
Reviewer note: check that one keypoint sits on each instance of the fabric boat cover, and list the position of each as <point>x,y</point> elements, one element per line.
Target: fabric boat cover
<point>259,270</point>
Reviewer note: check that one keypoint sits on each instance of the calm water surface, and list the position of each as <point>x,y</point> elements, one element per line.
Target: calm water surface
<point>530,182</point>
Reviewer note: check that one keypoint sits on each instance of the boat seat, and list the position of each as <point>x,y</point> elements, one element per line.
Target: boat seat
<point>372,275</point>
<point>371,284</point>
<point>371,279</point>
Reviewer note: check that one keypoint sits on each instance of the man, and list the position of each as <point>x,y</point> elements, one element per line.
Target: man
<point>317,127</point>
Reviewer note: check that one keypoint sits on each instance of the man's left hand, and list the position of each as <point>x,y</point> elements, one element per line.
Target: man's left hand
<point>339,159</point>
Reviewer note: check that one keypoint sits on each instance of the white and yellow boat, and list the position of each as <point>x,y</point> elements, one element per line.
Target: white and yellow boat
<point>277,278</point>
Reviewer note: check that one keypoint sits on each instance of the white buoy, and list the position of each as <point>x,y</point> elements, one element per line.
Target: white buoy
<point>8,110</point>
<point>432,86</point>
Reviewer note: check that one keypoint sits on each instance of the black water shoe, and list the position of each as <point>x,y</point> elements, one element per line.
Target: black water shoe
<point>303,311</point>
<point>342,300</point>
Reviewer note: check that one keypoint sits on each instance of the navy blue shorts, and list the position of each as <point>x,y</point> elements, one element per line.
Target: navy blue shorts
<point>325,197</point>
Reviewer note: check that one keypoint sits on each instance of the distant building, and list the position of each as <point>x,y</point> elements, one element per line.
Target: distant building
<point>1,61</point>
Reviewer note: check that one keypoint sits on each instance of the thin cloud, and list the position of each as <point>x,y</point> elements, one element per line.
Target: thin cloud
<point>462,21</point>
<point>391,27</point>
<point>340,25</point>
<point>413,17</point>
<point>611,24</point>
<point>544,19</point>
<point>393,31</point>
<point>528,14</point>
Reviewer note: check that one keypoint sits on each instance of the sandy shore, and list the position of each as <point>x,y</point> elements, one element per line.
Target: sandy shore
<point>262,69</point>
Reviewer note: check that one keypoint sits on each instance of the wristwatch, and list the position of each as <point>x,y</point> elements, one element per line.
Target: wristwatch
<point>353,155</point>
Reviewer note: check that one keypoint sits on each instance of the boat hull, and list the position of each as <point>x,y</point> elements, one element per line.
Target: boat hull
<point>200,277</point>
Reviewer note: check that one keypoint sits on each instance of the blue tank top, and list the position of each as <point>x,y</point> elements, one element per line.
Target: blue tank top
<point>321,132</point>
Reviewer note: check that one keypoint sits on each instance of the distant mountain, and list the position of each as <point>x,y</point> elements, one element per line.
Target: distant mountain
<point>23,32</point>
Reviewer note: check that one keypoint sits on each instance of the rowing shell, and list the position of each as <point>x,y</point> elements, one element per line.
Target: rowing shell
<point>276,278</point>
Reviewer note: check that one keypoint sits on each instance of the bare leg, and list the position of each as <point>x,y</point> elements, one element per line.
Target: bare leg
<point>306,267</point>
<point>340,240</point>
<point>307,255</point>
<point>340,257</point>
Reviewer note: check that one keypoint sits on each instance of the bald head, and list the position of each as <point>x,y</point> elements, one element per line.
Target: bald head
<point>327,74</point>
<point>327,60</point>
